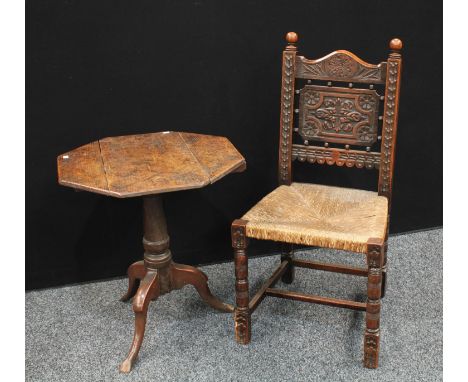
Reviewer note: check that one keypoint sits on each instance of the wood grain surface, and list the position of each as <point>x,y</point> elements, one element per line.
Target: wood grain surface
<point>145,164</point>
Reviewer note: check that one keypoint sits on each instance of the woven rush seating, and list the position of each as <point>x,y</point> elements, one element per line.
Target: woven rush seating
<point>319,215</point>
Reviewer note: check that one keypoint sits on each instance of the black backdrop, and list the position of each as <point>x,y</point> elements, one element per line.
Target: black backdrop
<point>104,68</point>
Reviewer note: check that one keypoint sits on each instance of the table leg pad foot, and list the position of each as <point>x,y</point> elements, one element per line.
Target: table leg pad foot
<point>126,366</point>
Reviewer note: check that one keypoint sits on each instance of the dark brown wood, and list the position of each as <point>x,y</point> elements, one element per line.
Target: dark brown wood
<point>389,136</point>
<point>375,249</point>
<point>332,124</point>
<point>260,295</point>
<point>135,272</point>
<point>187,275</point>
<point>337,268</point>
<point>148,290</point>
<point>82,169</point>
<point>287,254</point>
<point>340,157</point>
<point>290,295</point>
<point>159,274</point>
<point>287,105</point>
<point>146,164</point>
<point>384,269</point>
<point>216,155</point>
<point>340,115</point>
<point>242,311</point>
<point>157,259</point>
<point>390,120</point>
<point>340,65</point>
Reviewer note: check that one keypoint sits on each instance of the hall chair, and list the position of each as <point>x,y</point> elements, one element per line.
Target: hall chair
<point>331,106</point>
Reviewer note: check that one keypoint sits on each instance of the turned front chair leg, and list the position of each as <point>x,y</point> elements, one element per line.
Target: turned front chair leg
<point>242,311</point>
<point>287,253</point>
<point>135,272</point>
<point>375,254</point>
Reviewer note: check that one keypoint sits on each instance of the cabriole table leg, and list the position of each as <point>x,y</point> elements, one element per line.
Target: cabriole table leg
<point>136,272</point>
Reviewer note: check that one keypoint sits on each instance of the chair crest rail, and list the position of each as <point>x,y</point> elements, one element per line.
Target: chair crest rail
<point>341,65</point>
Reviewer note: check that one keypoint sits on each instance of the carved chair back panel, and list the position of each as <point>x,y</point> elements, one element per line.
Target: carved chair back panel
<point>344,115</point>
<point>339,115</point>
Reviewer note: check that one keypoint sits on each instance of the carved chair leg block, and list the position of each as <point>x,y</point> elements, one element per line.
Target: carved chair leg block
<point>371,349</point>
<point>242,325</point>
<point>242,311</point>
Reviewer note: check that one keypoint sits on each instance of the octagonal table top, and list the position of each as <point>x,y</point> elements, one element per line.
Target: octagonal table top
<point>145,164</point>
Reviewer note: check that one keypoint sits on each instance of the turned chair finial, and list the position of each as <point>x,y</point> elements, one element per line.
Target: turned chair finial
<point>291,37</point>
<point>396,44</point>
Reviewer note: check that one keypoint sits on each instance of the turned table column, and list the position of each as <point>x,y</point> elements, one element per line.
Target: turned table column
<point>159,274</point>
<point>157,255</point>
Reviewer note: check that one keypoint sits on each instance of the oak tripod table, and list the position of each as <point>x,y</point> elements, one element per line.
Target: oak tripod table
<point>149,165</point>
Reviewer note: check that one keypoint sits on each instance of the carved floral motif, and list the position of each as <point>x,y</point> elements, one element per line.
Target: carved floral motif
<point>367,102</point>
<point>311,128</point>
<point>311,97</point>
<point>366,134</point>
<point>338,115</point>
<point>341,65</point>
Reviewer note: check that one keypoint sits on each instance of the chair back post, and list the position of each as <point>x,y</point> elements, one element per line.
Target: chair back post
<point>287,105</point>
<point>390,120</point>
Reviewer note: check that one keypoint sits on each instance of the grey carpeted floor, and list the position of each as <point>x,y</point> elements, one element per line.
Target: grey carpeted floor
<point>82,333</point>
